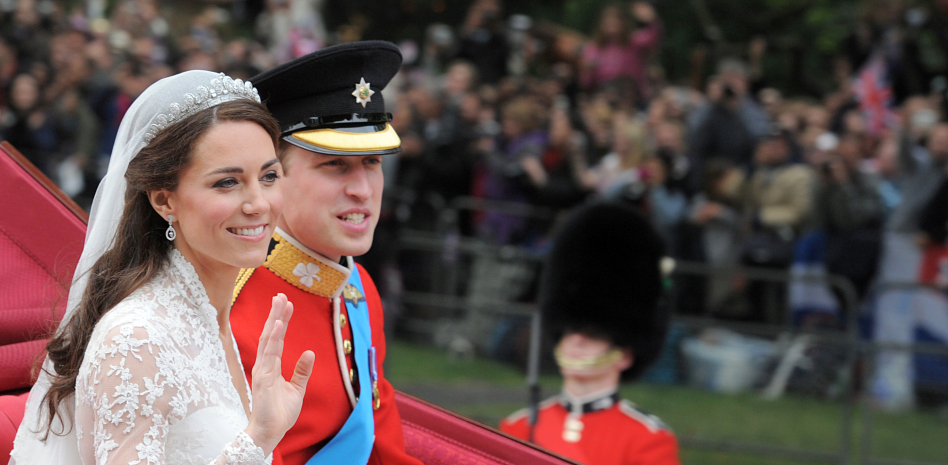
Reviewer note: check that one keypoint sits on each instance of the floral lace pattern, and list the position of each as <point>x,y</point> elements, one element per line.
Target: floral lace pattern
<point>154,386</point>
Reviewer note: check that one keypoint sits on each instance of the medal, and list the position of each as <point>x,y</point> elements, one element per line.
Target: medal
<point>374,374</point>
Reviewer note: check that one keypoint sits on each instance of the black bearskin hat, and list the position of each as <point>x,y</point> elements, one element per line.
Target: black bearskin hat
<point>602,278</point>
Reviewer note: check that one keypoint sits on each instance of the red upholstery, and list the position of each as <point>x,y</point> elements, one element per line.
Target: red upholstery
<point>11,414</point>
<point>25,308</point>
<point>439,437</point>
<point>16,361</point>
<point>41,235</point>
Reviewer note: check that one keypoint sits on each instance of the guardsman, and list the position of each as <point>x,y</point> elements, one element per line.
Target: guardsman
<point>334,133</point>
<point>599,298</point>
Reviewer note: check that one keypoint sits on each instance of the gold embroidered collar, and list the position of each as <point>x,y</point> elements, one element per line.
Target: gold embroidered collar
<point>306,269</point>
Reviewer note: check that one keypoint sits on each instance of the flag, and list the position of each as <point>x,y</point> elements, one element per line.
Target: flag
<point>874,93</point>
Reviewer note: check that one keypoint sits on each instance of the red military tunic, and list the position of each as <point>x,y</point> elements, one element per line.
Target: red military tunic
<point>610,432</point>
<point>320,323</point>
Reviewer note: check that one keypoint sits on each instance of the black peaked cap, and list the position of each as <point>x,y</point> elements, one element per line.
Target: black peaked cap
<point>321,84</point>
<point>602,278</point>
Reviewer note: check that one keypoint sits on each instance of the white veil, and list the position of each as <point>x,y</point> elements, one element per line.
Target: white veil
<point>160,105</point>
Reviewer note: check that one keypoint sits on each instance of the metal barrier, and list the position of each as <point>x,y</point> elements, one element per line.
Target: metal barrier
<point>450,246</point>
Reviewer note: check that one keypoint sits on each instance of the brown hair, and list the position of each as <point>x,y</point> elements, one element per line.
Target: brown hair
<point>525,111</point>
<point>599,37</point>
<point>283,147</point>
<point>140,248</point>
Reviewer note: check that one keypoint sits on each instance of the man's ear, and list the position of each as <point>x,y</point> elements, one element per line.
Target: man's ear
<point>162,200</point>
<point>628,358</point>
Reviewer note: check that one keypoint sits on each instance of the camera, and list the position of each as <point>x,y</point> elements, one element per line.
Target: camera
<point>729,92</point>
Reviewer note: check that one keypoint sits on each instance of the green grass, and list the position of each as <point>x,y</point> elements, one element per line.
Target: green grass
<point>745,417</point>
<point>789,422</point>
<point>922,436</point>
<point>410,363</point>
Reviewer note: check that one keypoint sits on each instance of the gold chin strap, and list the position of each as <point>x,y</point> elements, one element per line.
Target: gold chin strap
<point>586,363</point>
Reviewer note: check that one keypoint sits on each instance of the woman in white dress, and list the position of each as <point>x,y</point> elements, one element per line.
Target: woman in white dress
<point>143,368</point>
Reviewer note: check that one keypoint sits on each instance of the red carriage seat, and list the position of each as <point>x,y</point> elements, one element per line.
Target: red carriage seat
<point>440,437</point>
<point>41,235</point>
<point>11,414</point>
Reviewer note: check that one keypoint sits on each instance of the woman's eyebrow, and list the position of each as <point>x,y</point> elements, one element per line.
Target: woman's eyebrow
<point>226,170</point>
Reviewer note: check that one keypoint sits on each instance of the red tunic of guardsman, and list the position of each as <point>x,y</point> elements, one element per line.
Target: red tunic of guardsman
<point>321,324</point>
<point>334,132</point>
<point>600,429</point>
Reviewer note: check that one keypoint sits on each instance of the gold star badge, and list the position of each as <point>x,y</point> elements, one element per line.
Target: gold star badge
<point>363,92</point>
<point>352,295</point>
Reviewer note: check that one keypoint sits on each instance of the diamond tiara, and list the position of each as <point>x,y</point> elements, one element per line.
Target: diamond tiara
<point>219,90</point>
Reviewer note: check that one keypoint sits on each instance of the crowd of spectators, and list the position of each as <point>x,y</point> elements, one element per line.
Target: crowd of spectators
<point>521,111</point>
<point>67,75</point>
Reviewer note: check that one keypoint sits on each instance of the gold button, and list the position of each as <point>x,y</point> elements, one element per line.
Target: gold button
<point>351,375</point>
<point>347,346</point>
<point>342,320</point>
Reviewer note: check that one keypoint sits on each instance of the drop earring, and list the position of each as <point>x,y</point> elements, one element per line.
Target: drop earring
<point>170,233</point>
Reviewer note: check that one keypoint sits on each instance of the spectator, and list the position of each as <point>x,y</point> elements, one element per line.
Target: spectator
<point>553,176</point>
<point>30,127</point>
<point>620,170</point>
<point>617,53</point>
<point>887,170</point>
<point>8,69</point>
<point>667,201</point>
<point>502,175</point>
<point>291,28</point>
<point>777,204</point>
<point>716,211</point>
<point>849,208</point>
<point>77,129</point>
<point>730,123</point>
<point>482,41</point>
<point>670,146</point>
<point>779,191</point>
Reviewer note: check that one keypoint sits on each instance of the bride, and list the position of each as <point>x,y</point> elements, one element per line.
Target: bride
<point>143,368</point>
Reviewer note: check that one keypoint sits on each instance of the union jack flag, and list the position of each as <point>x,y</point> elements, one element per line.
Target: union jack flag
<point>874,92</point>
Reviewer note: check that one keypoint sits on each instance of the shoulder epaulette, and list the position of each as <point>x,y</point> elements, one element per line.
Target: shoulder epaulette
<point>522,413</point>
<point>653,423</point>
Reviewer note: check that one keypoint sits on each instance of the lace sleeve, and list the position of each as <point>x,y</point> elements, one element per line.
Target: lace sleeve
<point>129,394</point>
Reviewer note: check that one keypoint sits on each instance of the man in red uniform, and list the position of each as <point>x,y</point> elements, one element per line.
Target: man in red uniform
<point>334,133</point>
<point>599,297</point>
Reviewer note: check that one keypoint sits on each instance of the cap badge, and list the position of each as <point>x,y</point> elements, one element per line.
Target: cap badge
<point>363,93</point>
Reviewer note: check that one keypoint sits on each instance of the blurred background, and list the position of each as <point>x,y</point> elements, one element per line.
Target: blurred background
<point>793,154</point>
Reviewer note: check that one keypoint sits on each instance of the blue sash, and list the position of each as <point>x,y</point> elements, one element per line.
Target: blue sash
<point>353,443</point>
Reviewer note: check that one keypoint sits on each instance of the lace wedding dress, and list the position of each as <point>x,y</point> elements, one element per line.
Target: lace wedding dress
<point>154,386</point>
